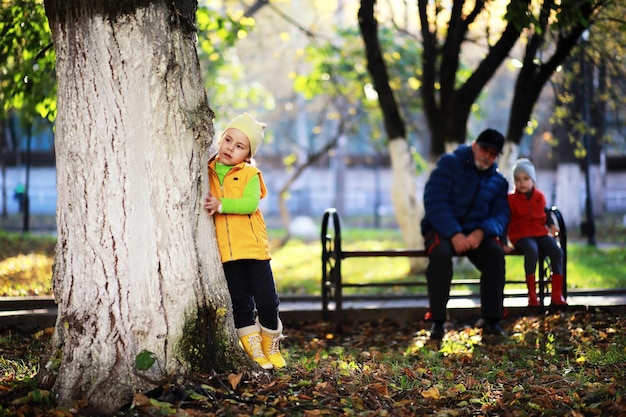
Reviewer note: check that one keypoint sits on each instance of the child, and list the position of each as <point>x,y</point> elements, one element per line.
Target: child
<point>528,231</point>
<point>236,188</point>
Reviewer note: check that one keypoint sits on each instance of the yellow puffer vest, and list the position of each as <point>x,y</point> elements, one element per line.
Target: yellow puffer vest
<point>239,236</point>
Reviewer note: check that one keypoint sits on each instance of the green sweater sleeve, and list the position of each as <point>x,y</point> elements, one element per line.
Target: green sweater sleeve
<point>248,203</point>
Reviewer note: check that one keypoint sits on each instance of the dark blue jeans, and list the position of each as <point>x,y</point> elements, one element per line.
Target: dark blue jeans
<point>488,258</point>
<point>251,285</point>
<point>532,246</point>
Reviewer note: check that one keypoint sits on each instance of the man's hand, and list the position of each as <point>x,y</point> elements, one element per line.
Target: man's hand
<point>475,238</point>
<point>460,243</point>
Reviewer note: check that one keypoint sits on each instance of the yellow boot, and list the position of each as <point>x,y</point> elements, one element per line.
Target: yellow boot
<point>271,345</point>
<point>250,339</point>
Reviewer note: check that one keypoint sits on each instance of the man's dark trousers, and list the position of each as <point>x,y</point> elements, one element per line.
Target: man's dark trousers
<point>488,258</point>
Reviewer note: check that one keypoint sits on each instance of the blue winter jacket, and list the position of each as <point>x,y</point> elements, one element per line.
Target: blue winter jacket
<point>449,204</point>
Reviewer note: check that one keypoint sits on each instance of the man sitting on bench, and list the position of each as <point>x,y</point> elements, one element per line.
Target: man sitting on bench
<point>466,207</point>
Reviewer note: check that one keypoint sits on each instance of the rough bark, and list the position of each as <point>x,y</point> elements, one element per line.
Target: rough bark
<point>136,265</point>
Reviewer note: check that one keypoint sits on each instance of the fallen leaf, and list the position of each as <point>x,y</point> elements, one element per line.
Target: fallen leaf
<point>140,400</point>
<point>234,380</point>
<point>432,393</point>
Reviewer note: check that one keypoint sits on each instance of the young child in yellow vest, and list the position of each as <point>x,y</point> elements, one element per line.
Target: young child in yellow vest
<point>532,231</point>
<point>236,188</point>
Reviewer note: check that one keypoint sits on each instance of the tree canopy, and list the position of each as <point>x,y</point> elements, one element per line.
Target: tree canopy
<point>549,31</point>
<point>27,79</point>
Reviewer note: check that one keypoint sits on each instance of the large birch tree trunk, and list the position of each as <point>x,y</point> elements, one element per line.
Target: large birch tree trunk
<point>408,206</point>
<point>403,188</point>
<point>136,265</point>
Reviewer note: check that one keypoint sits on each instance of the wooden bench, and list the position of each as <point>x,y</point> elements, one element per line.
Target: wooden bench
<point>333,256</point>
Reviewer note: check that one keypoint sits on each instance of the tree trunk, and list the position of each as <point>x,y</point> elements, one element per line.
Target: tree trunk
<point>409,209</point>
<point>405,203</point>
<point>598,81</point>
<point>447,104</point>
<point>3,153</point>
<point>136,265</point>
<point>532,76</point>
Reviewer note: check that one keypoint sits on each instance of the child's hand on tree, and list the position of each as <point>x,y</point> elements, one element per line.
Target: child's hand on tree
<point>212,204</point>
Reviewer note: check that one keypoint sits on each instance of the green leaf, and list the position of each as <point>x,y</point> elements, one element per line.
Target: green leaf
<point>163,407</point>
<point>197,397</point>
<point>144,360</point>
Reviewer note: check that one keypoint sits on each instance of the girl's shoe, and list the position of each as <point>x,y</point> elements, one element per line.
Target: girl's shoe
<point>532,290</point>
<point>557,290</point>
<point>251,339</point>
<point>270,343</point>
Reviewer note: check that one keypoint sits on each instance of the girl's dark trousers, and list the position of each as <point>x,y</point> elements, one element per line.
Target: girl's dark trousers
<point>532,246</point>
<point>488,258</point>
<point>251,285</point>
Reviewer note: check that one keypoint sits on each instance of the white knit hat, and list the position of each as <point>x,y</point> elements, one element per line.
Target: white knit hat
<point>523,165</point>
<point>254,130</point>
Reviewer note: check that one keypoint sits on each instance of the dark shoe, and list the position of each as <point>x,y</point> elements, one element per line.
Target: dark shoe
<point>437,331</point>
<point>492,329</point>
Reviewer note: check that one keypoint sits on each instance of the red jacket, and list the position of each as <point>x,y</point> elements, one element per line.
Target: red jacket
<point>528,216</point>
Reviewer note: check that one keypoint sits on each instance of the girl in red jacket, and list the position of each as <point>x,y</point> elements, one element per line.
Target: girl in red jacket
<point>531,231</point>
<point>236,188</point>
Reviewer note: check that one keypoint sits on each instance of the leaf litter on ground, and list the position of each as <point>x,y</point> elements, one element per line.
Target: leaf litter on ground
<point>568,363</point>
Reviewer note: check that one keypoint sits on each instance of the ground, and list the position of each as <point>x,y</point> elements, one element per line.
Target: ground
<point>567,363</point>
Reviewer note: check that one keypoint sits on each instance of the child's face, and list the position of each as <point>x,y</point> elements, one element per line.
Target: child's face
<point>523,182</point>
<point>234,147</point>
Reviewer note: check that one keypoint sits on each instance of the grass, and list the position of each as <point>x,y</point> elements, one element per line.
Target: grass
<point>587,268</point>
<point>26,262</point>
<point>297,265</point>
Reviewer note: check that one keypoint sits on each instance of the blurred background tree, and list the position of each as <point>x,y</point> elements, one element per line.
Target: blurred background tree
<point>301,66</point>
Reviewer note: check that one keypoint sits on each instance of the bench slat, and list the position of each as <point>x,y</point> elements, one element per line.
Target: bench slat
<point>406,253</point>
<point>388,252</point>
<point>455,281</point>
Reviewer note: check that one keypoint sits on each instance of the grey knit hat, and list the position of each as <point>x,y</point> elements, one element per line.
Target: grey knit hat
<point>523,165</point>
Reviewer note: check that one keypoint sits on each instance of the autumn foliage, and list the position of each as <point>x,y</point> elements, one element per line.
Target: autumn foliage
<point>559,364</point>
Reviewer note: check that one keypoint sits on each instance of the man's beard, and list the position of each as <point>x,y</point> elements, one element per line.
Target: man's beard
<point>482,166</point>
